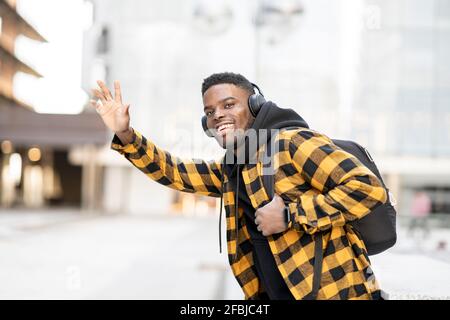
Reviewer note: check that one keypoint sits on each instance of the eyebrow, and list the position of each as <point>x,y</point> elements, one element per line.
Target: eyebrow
<point>221,101</point>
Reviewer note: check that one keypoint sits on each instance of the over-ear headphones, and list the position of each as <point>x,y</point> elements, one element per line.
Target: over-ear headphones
<point>255,102</point>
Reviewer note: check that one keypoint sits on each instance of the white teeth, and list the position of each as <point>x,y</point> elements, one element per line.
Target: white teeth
<point>224,126</point>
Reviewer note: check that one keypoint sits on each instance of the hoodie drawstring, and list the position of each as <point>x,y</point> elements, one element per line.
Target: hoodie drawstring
<point>221,205</point>
<point>236,213</point>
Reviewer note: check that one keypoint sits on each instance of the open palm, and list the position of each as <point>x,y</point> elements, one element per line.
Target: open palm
<point>114,113</point>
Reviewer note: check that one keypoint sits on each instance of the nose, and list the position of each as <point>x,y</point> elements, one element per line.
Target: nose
<point>212,121</point>
<point>218,114</point>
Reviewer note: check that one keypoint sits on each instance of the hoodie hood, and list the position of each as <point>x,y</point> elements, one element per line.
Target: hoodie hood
<point>270,116</point>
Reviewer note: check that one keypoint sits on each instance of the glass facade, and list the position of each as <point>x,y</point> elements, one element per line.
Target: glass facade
<point>404,79</point>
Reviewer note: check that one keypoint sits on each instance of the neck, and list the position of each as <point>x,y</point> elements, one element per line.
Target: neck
<point>243,152</point>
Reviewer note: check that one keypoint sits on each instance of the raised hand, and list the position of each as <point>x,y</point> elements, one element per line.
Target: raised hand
<point>114,113</point>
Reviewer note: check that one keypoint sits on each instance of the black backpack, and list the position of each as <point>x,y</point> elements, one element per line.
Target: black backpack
<point>378,228</point>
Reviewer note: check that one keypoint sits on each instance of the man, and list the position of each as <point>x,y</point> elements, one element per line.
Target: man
<point>314,254</point>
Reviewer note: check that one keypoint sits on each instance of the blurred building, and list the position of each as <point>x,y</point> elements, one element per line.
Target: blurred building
<point>374,71</point>
<point>401,107</point>
<point>157,50</point>
<point>35,169</point>
<point>11,25</point>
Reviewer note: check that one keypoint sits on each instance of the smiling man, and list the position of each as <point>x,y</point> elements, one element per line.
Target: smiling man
<point>296,245</point>
<point>227,112</point>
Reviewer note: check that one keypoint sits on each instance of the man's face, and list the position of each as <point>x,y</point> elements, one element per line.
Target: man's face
<point>227,112</point>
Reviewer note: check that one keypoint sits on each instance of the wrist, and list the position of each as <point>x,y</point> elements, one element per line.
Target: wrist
<point>127,131</point>
<point>126,136</point>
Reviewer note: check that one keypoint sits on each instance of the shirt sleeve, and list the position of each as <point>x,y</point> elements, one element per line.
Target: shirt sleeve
<point>343,189</point>
<point>191,175</point>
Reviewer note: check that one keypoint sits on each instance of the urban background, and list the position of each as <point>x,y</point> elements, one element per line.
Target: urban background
<point>78,221</point>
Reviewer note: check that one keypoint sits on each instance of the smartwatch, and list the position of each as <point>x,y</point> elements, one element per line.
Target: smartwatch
<point>287,216</point>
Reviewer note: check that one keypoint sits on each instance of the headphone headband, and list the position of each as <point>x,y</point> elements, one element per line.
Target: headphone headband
<point>257,88</point>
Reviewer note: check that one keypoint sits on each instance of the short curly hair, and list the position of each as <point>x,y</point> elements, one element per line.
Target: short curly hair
<point>227,77</point>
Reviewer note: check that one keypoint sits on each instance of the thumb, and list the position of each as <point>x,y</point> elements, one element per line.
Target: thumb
<point>126,109</point>
<point>277,199</point>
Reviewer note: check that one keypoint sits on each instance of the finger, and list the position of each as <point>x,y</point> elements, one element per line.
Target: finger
<point>117,92</point>
<point>105,90</point>
<point>99,95</point>
<point>96,104</point>
<point>93,103</point>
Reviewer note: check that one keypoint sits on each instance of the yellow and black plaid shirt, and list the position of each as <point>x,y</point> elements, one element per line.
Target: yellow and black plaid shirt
<point>324,187</point>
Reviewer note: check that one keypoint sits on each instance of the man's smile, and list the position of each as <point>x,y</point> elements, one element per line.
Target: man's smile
<point>224,128</point>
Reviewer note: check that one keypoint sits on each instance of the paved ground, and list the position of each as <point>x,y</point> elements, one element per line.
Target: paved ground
<point>64,254</point>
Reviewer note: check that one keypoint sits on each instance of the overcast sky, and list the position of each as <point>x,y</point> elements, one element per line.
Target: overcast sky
<point>59,61</point>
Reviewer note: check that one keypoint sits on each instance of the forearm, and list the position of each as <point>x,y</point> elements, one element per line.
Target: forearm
<point>347,202</point>
<point>196,176</point>
<point>342,189</point>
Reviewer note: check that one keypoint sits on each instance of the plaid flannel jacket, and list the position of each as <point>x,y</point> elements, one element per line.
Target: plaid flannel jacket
<point>324,187</point>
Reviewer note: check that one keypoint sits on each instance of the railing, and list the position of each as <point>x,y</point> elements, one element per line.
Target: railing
<point>434,220</point>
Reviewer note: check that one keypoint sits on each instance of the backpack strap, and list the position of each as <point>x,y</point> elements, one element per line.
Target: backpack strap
<point>318,261</point>
<point>268,179</point>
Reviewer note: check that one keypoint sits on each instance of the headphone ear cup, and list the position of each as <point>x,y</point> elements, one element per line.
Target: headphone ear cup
<point>205,127</point>
<point>255,102</point>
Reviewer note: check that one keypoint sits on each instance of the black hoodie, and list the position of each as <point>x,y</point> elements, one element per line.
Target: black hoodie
<point>269,117</point>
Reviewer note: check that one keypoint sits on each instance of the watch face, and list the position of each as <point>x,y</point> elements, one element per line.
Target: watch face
<point>286,214</point>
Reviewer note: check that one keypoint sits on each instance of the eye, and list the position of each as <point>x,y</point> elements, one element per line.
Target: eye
<point>208,113</point>
<point>229,105</point>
